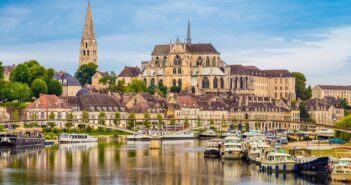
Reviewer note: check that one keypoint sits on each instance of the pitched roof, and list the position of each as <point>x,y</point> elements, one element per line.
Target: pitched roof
<point>129,72</point>
<point>254,71</point>
<point>70,80</point>
<point>335,87</point>
<point>48,101</point>
<point>186,101</point>
<point>192,48</point>
<point>318,104</point>
<point>95,102</point>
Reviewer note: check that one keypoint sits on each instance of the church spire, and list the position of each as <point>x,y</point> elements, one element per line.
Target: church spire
<point>88,45</point>
<point>188,37</point>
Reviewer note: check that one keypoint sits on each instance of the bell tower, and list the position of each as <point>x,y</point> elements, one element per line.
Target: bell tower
<point>88,45</point>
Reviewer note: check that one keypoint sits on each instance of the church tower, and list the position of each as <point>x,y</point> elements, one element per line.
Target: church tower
<point>88,45</point>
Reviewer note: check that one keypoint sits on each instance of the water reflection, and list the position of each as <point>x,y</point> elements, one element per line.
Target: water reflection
<point>178,162</point>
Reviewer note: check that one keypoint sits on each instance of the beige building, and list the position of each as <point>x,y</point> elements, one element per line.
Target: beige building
<point>7,71</point>
<point>95,81</point>
<point>88,45</point>
<point>336,91</point>
<point>129,73</point>
<point>70,84</point>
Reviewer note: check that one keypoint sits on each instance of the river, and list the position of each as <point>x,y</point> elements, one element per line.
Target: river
<point>177,163</point>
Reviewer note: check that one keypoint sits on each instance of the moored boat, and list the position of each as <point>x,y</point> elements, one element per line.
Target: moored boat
<point>342,170</point>
<point>208,134</point>
<point>22,137</point>
<point>312,165</point>
<point>76,138</point>
<point>232,148</point>
<point>278,161</point>
<point>256,150</point>
<point>213,150</point>
<point>180,135</point>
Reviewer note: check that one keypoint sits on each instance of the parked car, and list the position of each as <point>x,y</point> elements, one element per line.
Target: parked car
<point>336,141</point>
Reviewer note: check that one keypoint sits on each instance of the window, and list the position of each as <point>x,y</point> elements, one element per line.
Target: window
<point>214,61</point>
<point>157,62</point>
<point>160,82</point>
<point>88,52</point>
<point>180,83</point>
<point>215,85</point>
<point>179,71</point>
<point>152,81</point>
<point>83,52</point>
<point>174,71</point>
<point>205,83</point>
<point>199,61</point>
<point>222,83</point>
<point>207,61</point>
<point>86,45</point>
<point>177,60</point>
<point>174,82</point>
<point>164,61</point>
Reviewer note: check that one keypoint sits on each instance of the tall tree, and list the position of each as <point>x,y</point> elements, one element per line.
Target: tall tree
<point>146,120</point>
<point>136,86</point>
<point>55,87</point>
<point>85,72</point>
<point>131,120</point>
<point>20,74</point>
<point>39,87</point>
<point>102,117</point>
<point>300,86</point>
<point>69,121</point>
<point>51,123</point>
<point>85,117</point>
<point>117,118</point>
<point>121,86</point>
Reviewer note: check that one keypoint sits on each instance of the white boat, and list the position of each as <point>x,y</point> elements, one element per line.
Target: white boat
<point>278,161</point>
<point>208,134</point>
<point>179,135</point>
<point>342,170</point>
<point>256,150</point>
<point>232,148</point>
<point>76,138</point>
<point>213,149</point>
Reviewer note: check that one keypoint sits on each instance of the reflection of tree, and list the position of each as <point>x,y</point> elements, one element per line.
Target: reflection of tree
<point>69,159</point>
<point>101,154</point>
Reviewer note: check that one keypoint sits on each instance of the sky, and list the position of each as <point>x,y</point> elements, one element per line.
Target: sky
<point>312,37</point>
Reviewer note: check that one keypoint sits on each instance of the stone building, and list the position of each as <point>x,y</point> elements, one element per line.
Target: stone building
<point>128,74</point>
<point>95,81</point>
<point>88,44</point>
<point>7,71</point>
<point>336,91</point>
<point>70,84</point>
<point>325,111</point>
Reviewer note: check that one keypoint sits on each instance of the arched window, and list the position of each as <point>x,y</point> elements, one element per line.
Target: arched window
<point>174,82</point>
<point>152,81</point>
<point>86,45</point>
<point>145,80</point>
<point>199,61</point>
<point>193,90</point>
<point>179,71</point>
<point>160,82</point>
<point>174,71</point>
<point>83,52</point>
<point>157,62</point>
<point>222,83</point>
<point>215,83</point>
<point>88,52</point>
<point>241,83</point>
<point>180,83</point>
<point>214,61</point>
<point>164,61</point>
<point>205,83</point>
<point>207,62</point>
<point>177,60</point>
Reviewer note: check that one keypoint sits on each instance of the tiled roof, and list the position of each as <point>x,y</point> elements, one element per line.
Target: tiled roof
<point>192,48</point>
<point>129,72</point>
<point>335,87</point>
<point>254,71</point>
<point>186,101</point>
<point>71,81</point>
<point>95,102</point>
<point>318,104</point>
<point>48,101</point>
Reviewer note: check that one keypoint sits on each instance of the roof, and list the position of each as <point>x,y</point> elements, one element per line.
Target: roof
<point>186,101</point>
<point>129,72</point>
<point>191,48</point>
<point>49,101</point>
<point>254,71</point>
<point>8,69</point>
<point>95,102</point>
<point>321,104</point>
<point>70,80</point>
<point>335,87</point>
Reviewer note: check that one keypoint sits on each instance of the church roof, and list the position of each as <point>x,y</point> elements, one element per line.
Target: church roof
<point>192,48</point>
<point>89,32</point>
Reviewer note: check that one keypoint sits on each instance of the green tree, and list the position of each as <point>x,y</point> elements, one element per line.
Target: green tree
<point>146,120</point>
<point>162,88</point>
<point>186,122</point>
<point>136,86</point>
<point>345,122</point>
<point>175,89</point>
<point>344,103</point>
<point>85,117</point>
<point>110,80</point>
<point>36,71</point>
<point>69,121</point>
<point>173,120</point>
<point>1,73</point>
<point>51,123</point>
<point>102,118</point>
<point>117,119</point>
<point>55,87</point>
<point>300,86</point>
<point>15,116</point>
<point>303,112</point>
<point>15,91</point>
<point>85,72</point>
<point>39,87</point>
<point>121,86</point>
<point>131,120</point>
<point>20,74</point>
<point>151,89</point>
<point>159,118</point>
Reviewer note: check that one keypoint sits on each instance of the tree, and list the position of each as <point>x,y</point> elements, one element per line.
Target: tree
<point>146,120</point>
<point>20,74</point>
<point>159,119</point>
<point>51,123</point>
<point>39,87</point>
<point>151,89</point>
<point>344,103</point>
<point>85,117</point>
<point>186,122</point>
<point>175,89</point>
<point>36,71</point>
<point>102,117</point>
<point>121,86</point>
<point>110,80</point>
<point>303,112</point>
<point>131,120</point>
<point>15,116</point>
<point>162,88</point>
<point>69,121</point>
<point>345,122</point>
<point>136,86</point>
<point>1,73</point>
<point>55,88</point>
<point>85,72</point>
<point>117,119</point>
<point>300,86</point>
<point>173,120</point>
<point>15,91</point>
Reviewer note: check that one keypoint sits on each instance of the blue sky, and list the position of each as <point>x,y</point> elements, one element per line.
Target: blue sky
<point>313,37</point>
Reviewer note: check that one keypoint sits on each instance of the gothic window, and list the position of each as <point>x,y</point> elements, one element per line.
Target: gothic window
<point>193,90</point>
<point>205,83</point>
<point>174,82</point>
<point>180,83</point>
<point>222,83</point>
<point>179,71</point>
<point>88,52</point>
<point>177,60</point>
<point>241,83</point>
<point>207,62</point>
<point>199,61</point>
<point>83,52</point>
<point>164,61</point>
<point>214,61</point>
<point>215,86</point>
<point>152,81</point>
<point>86,45</point>
<point>174,71</point>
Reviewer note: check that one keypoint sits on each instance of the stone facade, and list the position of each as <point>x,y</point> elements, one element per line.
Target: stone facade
<point>128,74</point>
<point>70,84</point>
<point>325,111</point>
<point>95,81</point>
<point>88,45</point>
<point>336,91</point>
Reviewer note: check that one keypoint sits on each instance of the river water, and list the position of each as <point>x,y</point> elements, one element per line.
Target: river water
<point>178,162</point>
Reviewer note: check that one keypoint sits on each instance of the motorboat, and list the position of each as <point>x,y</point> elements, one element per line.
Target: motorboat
<point>278,161</point>
<point>76,138</point>
<point>180,135</point>
<point>208,134</point>
<point>213,149</point>
<point>342,170</point>
<point>232,148</point>
<point>256,150</point>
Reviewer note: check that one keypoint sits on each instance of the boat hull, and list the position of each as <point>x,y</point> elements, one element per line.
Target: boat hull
<point>277,166</point>
<point>317,166</point>
<point>346,177</point>
<point>21,142</point>
<point>207,136</point>
<point>70,140</point>
<point>212,153</point>
<point>252,156</point>
<point>232,154</point>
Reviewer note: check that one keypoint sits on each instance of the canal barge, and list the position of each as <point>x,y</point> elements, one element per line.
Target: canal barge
<point>213,150</point>
<point>76,138</point>
<point>278,161</point>
<point>22,138</point>
<point>180,135</point>
<point>232,148</point>
<point>312,165</point>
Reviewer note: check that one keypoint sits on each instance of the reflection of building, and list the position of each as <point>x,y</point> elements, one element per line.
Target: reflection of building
<point>324,111</point>
<point>336,91</point>
<point>70,84</point>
